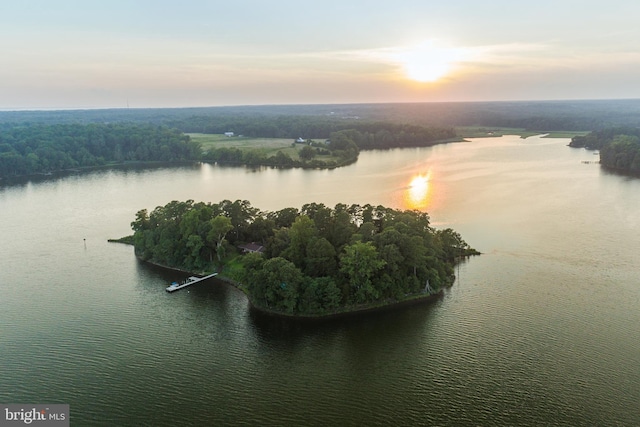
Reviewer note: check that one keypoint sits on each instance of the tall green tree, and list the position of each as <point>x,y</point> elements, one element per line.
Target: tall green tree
<point>320,258</point>
<point>301,232</point>
<point>307,153</point>
<point>220,226</point>
<point>360,262</point>
<point>281,281</point>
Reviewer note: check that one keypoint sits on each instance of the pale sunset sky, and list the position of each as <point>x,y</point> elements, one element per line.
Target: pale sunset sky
<point>157,53</point>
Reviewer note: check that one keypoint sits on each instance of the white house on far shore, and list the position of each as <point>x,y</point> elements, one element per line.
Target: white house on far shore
<point>228,134</point>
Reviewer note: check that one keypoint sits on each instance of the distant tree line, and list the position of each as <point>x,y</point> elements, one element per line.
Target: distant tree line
<point>388,135</point>
<point>316,260</point>
<point>619,147</point>
<point>39,148</point>
<point>367,134</point>
<point>532,115</point>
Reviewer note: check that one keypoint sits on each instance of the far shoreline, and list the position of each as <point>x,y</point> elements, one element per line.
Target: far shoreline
<point>16,179</point>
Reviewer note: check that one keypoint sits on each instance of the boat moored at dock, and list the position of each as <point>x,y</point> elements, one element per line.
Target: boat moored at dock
<point>190,281</point>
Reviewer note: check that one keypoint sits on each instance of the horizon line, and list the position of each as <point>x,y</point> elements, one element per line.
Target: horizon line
<point>70,109</point>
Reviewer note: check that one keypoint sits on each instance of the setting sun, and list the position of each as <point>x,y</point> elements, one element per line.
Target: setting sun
<point>429,62</point>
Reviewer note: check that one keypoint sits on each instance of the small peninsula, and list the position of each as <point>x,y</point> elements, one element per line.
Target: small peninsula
<point>311,262</point>
<point>619,147</point>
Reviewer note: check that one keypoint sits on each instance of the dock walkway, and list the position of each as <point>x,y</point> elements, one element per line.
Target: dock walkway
<point>190,281</point>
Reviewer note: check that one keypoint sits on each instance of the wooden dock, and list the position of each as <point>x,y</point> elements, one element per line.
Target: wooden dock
<point>190,281</point>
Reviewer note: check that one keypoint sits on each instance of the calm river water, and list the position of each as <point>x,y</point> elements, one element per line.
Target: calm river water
<point>542,329</point>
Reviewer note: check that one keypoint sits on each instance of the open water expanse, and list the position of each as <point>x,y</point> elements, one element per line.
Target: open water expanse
<point>542,329</point>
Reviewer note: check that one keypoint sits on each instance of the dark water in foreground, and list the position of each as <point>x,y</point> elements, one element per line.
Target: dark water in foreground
<point>543,329</point>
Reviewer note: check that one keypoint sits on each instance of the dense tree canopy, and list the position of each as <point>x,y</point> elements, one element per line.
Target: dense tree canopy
<point>317,260</point>
<point>597,139</point>
<point>622,153</point>
<point>619,147</point>
<point>34,149</point>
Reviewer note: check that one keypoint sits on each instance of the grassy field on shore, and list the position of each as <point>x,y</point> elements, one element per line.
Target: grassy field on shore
<point>215,141</point>
<point>267,146</point>
<point>209,141</point>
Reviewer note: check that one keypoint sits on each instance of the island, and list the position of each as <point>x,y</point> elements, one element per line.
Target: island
<point>312,262</point>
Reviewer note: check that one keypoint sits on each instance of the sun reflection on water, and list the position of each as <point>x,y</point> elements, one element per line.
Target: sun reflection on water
<point>417,193</point>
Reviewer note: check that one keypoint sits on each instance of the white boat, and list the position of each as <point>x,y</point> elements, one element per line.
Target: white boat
<point>190,281</point>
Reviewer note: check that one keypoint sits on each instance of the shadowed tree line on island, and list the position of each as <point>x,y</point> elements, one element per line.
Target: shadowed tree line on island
<point>619,147</point>
<point>314,261</point>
